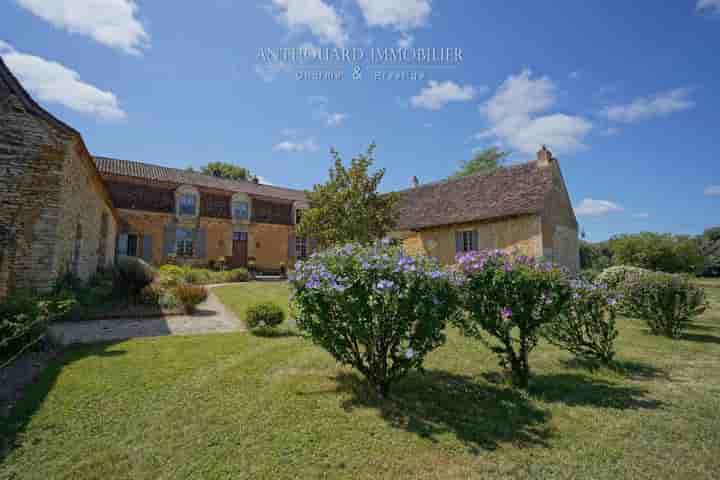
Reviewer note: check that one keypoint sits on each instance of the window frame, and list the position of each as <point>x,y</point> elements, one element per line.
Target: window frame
<point>181,205</point>
<point>185,245</point>
<point>466,237</point>
<point>301,248</point>
<point>239,201</point>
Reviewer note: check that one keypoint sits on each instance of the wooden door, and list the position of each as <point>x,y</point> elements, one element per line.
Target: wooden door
<point>239,251</point>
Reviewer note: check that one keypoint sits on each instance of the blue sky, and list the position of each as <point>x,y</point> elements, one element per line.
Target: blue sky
<point>624,93</point>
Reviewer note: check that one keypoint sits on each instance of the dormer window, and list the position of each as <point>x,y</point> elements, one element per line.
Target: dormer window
<point>188,205</point>
<point>298,215</point>
<point>187,201</point>
<point>240,207</point>
<point>240,210</point>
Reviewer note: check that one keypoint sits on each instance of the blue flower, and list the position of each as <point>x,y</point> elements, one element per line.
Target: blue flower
<point>384,285</point>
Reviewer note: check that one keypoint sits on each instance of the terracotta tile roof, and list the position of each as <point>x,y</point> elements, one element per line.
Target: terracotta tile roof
<point>127,168</point>
<point>515,190</point>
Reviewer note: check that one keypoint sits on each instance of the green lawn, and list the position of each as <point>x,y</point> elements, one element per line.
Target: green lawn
<point>242,406</point>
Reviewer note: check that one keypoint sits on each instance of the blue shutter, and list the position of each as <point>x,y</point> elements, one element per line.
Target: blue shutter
<point>147,248</point>
<point>122,244</point>
<point>201,243</point>
<point>291,247</point>
<point>458,242</point>
<point>169,240</point>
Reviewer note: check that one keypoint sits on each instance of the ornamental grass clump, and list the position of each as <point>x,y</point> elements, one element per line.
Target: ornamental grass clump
<point>666,302</point>
<point>509,299</point>
<point>373,308</point>
<point>586,328</point>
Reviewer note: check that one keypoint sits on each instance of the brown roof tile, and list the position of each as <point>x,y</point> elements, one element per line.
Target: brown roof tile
<point>127,168</point>
<point>515,190</point>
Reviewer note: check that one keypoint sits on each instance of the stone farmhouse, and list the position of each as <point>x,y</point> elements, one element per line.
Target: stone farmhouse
<point>65,211</point>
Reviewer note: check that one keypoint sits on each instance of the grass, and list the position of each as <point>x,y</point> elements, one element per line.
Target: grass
<point>241,406</point>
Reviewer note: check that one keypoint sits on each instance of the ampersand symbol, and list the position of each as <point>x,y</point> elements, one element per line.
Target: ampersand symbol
<point>356,72</point>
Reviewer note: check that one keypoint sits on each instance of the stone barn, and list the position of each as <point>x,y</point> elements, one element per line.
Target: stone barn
<point>56,214</point>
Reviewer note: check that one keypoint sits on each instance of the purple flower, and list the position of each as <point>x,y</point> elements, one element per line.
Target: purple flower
<point>612,301</point>
<point>384,285</point>
<point>506,314</point>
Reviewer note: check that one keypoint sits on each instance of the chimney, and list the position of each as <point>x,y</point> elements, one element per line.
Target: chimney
<point>256,180</point>
<point>544,157</point>
<point>415,182</point>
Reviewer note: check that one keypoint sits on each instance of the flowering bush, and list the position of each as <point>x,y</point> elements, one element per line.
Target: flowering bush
<point>510,298</point>
<point>373,308</point>
<point>666,302</point>
<point>266,314</point>
<point>587,326</point>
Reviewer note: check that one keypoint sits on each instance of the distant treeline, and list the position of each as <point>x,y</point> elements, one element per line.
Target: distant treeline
<point>698,255</point>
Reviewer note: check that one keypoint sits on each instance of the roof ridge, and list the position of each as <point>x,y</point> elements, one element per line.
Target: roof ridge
<point>448,180</point>
<point>199,175</point>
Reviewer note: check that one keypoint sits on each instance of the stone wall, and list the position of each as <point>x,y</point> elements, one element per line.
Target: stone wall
<point>510,234</point>
<point>559,225</point>
<point>38,160</point>
<point>81,214</point>
<point>269,244</point>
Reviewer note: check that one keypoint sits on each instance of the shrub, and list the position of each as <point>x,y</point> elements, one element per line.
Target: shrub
<point>24,319</point>
<point>150,294</point>
<point>373,308</point>
<point>266,314</point>
<point>135,272</point>
<point>586,328</point>
<point>616,278</point>
<point>190,296</point>
<point>168,300</point>
<point>238,275</point>
<point>510,298</point>
<point>666,302</point>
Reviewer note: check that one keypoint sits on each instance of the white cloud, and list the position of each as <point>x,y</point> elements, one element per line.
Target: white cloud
<point>574,75</point>
<point>406,40</point>
<point>596,208</point>
<point>661,104</point>
<point>296,147</point>
<point>54,83</point>
<point>709,5</point>
<point>515,120</point>
<point>335,119</point>
<point>398,14</point>
<point>438,94</point>
<point>321,19</point>
<point>641,215</point>
<point>264,180</point>
<point>713,191</point>
<point>110,22</point>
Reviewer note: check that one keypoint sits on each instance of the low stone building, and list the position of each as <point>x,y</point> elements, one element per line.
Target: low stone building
<point>523,208</point>
<point>196,219</point>
<point>56,215</point>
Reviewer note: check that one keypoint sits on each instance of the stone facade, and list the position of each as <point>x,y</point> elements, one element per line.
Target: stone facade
<point>50,192</point>
<point>518,234</point>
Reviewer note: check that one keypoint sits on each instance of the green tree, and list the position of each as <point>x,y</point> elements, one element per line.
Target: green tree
<point>484,161</point>
<point>656,251</point>
<point>710,250</point>
<point>226,170</point>
<point>348,208</point>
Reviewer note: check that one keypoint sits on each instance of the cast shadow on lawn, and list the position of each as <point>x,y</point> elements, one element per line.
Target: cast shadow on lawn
<point>627,368</point>
<point>481,415</point>
<point>274,332</point>
<point>582,390</point>
<point>13,427</point>
<point>700,337</point>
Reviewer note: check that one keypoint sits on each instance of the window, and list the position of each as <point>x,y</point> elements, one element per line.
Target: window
<point>298,216</point>
<point>301,250</point>
<point>240,236</point>
<point>188,204</point>
<point>240,210</point>
<point>132,245</point>
<point>467,241</point>
<point>184,242</point>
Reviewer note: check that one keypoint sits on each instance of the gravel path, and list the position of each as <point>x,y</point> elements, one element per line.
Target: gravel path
<point>210,317</point>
